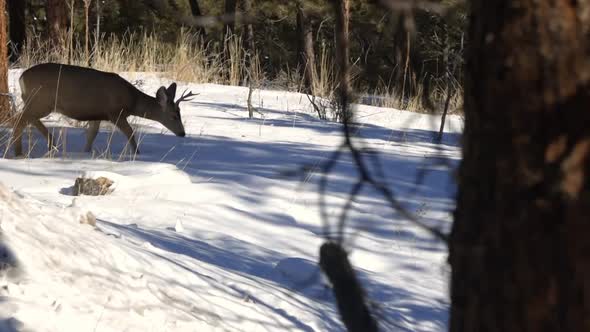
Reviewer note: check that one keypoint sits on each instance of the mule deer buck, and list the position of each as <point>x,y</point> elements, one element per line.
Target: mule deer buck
<point>86,94</point>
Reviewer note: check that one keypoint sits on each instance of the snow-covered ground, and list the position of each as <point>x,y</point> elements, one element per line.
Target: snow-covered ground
<point>207,233</point>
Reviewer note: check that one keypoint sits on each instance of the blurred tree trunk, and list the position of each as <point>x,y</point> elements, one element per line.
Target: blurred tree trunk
<point>406,58</point>
<point>57,20</point>
<point>97,27</point>
<point>72,7</point>
<point>305,50</point>
<point>341,33</point>
<point>249,45</point>
<point>519,247</point>
<point>196,12</point>
<point>87,4</point>
<point>16,13</point>
<point>4,98</point>
<point>228,37</point>
<point>195,9</point>
<point>349,294</point>
<point>230,18</point>
<point>448,89</point>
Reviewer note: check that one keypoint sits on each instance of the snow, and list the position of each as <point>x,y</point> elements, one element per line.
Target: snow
<point>208,233</point>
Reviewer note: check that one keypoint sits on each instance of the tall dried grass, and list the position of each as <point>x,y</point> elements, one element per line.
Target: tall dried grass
<point>188,59</point>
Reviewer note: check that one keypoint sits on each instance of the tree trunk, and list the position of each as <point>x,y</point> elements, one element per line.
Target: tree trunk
<point>16,12</point>
<point>230,18</point>
<point>196,12</point>
<point>71,6</point>
<point>349,294</point>
<point>4,97</point>
<point>448,82</point>
<point>87,30</point>
<point>231,65</point>
<point>342,54</point>
<point>406,57</point>
<point>249,45</point>
<point>97,28</point>
<point>519,245</point>
<point>305,52</point>
<point>57,20</point>
<point>195,9</point>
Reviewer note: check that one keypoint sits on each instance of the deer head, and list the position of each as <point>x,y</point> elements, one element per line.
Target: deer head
<point>170,115</point>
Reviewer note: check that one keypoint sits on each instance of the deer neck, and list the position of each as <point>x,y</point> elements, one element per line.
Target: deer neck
<point>146,106</point>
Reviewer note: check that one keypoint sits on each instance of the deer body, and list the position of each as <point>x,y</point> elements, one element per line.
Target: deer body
<point>86,94</point>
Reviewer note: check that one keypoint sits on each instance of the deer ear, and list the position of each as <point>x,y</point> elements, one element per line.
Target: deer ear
<point>171,91</point>
<point>162,95</point>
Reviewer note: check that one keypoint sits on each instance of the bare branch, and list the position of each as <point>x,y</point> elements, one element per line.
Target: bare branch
<point>347,289</point>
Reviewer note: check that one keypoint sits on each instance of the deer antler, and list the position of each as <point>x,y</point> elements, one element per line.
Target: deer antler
<point>185,96</point>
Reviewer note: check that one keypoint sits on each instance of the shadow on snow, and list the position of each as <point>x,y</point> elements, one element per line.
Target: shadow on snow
<point>259,165</point>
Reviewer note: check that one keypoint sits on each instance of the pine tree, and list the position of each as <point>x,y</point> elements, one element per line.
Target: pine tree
<point>519,244</point>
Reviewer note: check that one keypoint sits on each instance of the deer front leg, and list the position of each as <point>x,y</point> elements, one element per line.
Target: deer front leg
<point>124,126</point>
<point>91,133</point>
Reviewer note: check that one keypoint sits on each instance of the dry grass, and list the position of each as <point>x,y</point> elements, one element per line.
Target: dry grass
<point>189,59</point>
<point>390,97</point>
<point>324,84</point>
<point>235,61</point>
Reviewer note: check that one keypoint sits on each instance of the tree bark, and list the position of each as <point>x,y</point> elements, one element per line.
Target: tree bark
<point>16,12</point>
<point>4,97</point>
<point>305,52</point>
<point>57,20</point>
<point>519,247</point>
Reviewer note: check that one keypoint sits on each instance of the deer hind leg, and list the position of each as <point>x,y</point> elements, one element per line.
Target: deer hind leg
<point>124,126</point>
<point>91,133</point>
<point>17,137</point>
<point>41,127</point>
